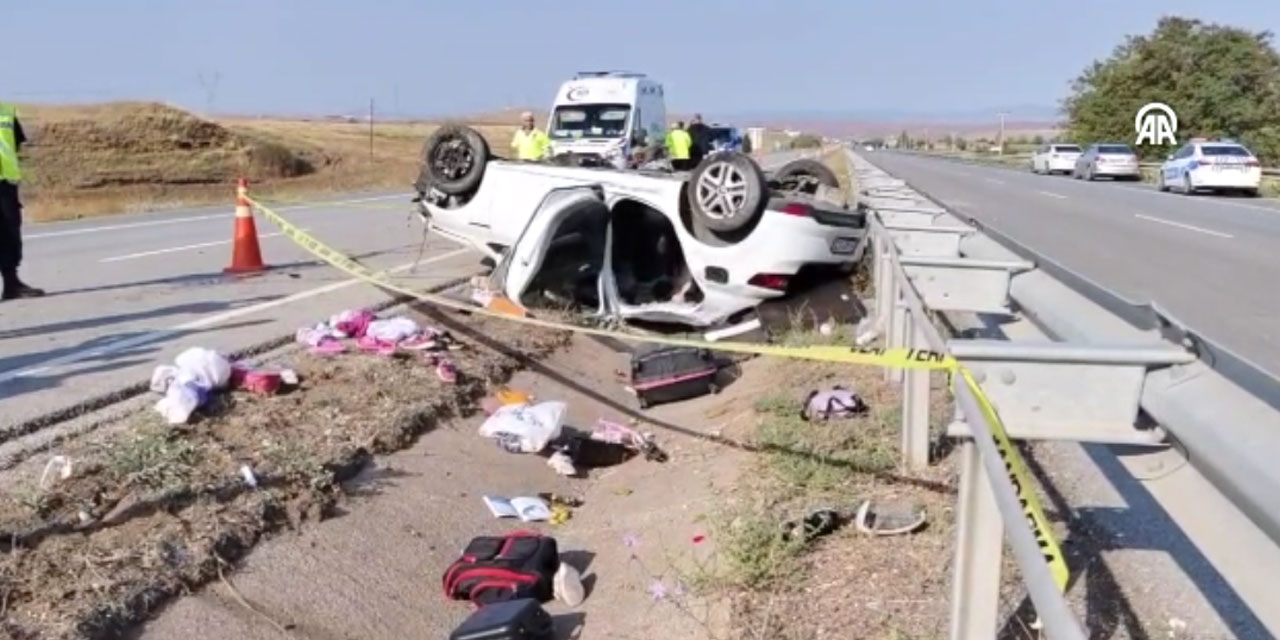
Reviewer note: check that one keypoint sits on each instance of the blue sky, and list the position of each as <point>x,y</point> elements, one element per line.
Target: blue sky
<point>428,57</point>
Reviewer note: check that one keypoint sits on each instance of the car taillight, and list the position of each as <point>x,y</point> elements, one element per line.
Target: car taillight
<point>775,281</point>
<point>796,209</point>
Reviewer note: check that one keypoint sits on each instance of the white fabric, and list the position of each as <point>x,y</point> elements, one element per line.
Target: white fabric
<point>393,330</point>
<point>186,385</point>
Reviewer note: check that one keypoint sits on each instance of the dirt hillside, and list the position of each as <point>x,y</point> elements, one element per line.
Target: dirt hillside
<point>88,160</point>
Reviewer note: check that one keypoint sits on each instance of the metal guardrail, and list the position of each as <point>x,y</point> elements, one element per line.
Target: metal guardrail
<point>1101,369</point>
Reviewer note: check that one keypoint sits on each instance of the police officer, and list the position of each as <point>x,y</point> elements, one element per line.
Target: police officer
<point>679,145</point>
<point>11,140</point>
<point>529,142</point>
<point>700,134</point>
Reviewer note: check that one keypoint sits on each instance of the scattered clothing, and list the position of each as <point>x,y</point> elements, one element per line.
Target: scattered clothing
<point>563,464</point>
<point>616,433</point>
<point>264,381</point>
<point>834,403</point>
<point>187,385</point>
<point>352,323</point>
<point>392,330</point>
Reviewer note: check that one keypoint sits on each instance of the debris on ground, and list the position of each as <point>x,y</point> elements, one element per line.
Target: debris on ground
<point>834,403</point>
<point>524,618</point>
<point>661,374</point>
<point>187,385</point>
<point>522,428</point>
<point>527,509</point>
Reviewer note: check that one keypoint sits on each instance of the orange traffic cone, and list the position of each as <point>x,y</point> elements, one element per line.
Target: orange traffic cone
<point>246,256</point>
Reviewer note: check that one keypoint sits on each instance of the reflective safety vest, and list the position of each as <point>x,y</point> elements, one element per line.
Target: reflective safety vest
<point>530,145</point>
<point>9,168</point>
<point>678,144</point>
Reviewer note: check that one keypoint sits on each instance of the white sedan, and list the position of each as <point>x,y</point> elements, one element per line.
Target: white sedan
<point>1055,158</point>
<point>687,248</point>
<point>1215,166</point>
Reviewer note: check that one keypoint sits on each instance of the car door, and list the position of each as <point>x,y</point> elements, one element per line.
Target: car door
<point>1172,169</point>
<point>526,255</point>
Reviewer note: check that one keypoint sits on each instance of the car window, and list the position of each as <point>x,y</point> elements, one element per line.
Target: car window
<point>719,134</point>
<point>1115,148</point>
<point>1184,152</point>
<point>1066,148</point>
<point>1224,150</point>
<point>590,121</point>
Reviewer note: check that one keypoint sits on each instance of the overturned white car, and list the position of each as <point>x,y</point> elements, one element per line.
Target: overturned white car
<point>691,248</point>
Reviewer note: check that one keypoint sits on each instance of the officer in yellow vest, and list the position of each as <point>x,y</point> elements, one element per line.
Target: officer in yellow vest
<point>529,142</point>
<point>679,143</point>
<point>11,140</point>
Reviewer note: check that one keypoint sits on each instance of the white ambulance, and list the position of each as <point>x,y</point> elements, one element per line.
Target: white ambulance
<point>606,116</point>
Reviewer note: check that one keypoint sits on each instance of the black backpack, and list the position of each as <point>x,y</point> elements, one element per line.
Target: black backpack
<point>492,569</point>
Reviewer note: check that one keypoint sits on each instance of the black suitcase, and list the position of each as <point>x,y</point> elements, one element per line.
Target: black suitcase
<point>523,619</point>
<point>661,374</point>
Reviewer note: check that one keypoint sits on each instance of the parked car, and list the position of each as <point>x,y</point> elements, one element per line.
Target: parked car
<point>1107,160</point>
<point>690,248</point>
<point>1221,165</point>
<point>725,138</point>
<point>1055,158</point>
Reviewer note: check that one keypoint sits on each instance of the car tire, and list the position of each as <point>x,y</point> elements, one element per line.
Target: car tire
<point>1251,193</point>
<point>791,177</point>
<point>727,192</point>
<point>453,160</point>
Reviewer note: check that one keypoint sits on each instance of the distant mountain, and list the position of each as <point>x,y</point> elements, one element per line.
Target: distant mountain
<point>1024,113</point>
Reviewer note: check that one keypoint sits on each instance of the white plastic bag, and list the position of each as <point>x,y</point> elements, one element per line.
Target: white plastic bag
<point>393,330</point>
<point>527,428</point>
<point>205,367</point>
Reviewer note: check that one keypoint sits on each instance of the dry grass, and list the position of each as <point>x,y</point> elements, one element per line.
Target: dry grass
<point>91,160</point>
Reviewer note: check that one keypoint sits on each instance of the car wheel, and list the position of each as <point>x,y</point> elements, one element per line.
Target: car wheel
<point>453,160</point>
<point>727,192</point>
<point>1251,193</point>
<point>805,176</point>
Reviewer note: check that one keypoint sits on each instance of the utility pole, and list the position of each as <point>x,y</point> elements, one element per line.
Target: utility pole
<point>1002,114</point>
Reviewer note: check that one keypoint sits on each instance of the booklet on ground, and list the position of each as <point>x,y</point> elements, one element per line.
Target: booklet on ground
<point>526,508</point>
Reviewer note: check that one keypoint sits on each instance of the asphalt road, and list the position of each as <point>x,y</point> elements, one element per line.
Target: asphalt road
<point>130,292</point>
<point>1209,261</point>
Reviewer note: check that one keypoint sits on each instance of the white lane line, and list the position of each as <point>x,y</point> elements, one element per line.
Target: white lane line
<point>994,181</point>
<point>186,247</point>
<point>207,321</point>
<point>1181,225</point>
<point>1051,194</point>
<point>156,223</point>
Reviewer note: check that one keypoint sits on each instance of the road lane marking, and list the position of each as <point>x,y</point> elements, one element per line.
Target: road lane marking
<point>156,223</point>
<point>185,247</point>
<point>1052,194</point>
<point>1181,225</point>
<point>994,181</point>
<point>207,321</point>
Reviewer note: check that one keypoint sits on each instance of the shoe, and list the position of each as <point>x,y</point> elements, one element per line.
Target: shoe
<point>21,291</point>
<point>567,585</point>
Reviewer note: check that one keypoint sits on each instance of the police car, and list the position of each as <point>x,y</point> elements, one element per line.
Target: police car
<point>1213,165</point>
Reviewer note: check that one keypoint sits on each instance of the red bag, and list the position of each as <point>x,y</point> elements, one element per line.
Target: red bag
<point>518,565</point>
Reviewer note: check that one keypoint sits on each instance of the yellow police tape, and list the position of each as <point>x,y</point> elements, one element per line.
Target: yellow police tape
<point>888,358</point>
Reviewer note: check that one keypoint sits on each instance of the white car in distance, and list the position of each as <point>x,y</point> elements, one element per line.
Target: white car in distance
<point>1221,165</point>
<point>1055,158</point>
<point>690,248</point>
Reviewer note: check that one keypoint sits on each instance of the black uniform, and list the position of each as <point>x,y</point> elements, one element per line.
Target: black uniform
<point>11,233</point>
<point>701,136</point>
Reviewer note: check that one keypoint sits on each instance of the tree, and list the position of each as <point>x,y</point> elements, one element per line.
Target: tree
<point>961,144</point>
<point>1219,80</point>
<point>1037,140</point>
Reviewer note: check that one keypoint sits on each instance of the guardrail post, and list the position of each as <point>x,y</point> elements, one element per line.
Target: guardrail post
<point>915,400</point>
<point>975,583</point>
<point>883,282</point>
<point>899,326</point>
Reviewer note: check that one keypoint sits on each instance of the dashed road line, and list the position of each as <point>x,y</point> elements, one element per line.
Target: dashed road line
<point>1182,225</point>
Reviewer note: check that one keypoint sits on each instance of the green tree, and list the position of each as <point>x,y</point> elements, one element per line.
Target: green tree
<point>961,144</point>
<point>1219,80</point>
<point>1037,140</point>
